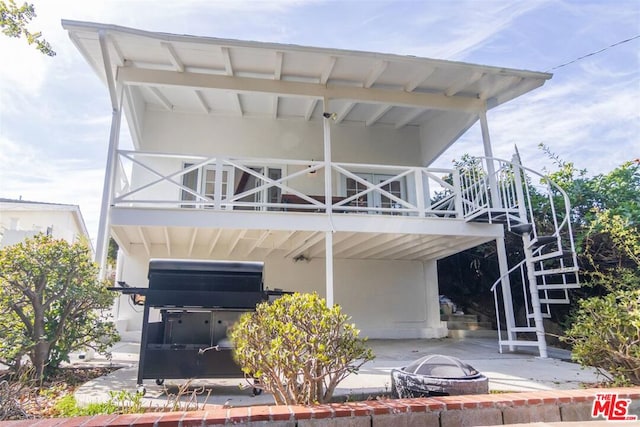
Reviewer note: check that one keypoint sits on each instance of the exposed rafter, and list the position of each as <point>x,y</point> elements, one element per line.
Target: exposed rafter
<point>203,102</point>
<point>310,108</point>
<point>214,241</point>
<point>381,111</point>
<point>259,241</point>
<point>120,59</point>
<point>345,111</point>
<point>145,241</point>
<point>239,237</point>
<point>418,78</point>
<point>167,240</point>
<point>277,75</point>
<point>326,73</point>
<point>161,98</point>
<point>173,56</point>
<point>192,240</point>
<point>228,67</point>
<point>278,243</point>
<point>305,244</point>
<point>411,115</point>
<point>502,84</point>
<point>375,73</point>
<point>226,57</point>
<point>457,87</point>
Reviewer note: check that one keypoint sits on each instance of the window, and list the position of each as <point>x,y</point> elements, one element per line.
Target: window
<point>203,182</point>
<point>374,199</point>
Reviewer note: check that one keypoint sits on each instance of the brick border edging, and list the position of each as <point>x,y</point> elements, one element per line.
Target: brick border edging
<point>218,415</point>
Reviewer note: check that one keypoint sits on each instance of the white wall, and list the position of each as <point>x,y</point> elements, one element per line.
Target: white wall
<point>19,224</point>
<point>386,299</point>
<point>286,139</point>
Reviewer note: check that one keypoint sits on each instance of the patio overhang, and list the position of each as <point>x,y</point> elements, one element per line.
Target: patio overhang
<point>256,235</point>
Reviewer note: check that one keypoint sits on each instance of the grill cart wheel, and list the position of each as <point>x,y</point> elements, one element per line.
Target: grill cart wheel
<point>159,381</point>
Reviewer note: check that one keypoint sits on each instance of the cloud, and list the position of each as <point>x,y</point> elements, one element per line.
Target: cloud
<point>29,173</point>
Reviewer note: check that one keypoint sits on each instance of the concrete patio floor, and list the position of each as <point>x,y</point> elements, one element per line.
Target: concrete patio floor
<point>511,371</point>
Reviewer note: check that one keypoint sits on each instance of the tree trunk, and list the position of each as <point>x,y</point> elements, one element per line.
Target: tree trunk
<point>40,352</point>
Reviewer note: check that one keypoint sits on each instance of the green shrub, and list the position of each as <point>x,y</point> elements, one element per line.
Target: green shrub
<point>298,348</point>
<point>50,303</point>
<point>605,334</point>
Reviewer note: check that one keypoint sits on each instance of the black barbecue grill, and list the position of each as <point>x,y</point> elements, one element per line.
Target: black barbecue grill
<point>198,301</point>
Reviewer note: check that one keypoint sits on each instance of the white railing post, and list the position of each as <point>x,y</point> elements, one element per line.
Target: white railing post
<point>457,190</point>
<point>420,193</point>
<point>522,201</point>
<point>488,152</point>
<point>217,187</point>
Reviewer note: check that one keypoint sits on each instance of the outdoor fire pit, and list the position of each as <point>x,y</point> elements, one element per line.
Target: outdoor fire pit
<point>437,375</point>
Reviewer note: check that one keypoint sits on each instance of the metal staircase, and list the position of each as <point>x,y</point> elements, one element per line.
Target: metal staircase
<point>499,191</point>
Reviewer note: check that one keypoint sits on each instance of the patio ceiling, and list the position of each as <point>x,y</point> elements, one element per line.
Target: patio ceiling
<point>204,75</point>
<point>300,245</point>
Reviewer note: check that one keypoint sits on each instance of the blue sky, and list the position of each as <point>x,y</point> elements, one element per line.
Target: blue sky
<point>55,113</point>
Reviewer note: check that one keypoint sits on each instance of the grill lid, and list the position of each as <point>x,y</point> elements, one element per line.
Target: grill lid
<point>441,366</point>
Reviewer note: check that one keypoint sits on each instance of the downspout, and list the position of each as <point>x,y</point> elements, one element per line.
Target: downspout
<point>328,201</point>
<point>102,244</point>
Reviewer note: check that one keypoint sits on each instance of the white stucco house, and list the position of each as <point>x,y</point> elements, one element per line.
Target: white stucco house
<point>316,162</point>
<point>20,219</point>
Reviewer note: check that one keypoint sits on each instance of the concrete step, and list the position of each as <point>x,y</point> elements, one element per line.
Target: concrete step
<point>478,333</point>
<point>468,326</point>
<point>459,318</point>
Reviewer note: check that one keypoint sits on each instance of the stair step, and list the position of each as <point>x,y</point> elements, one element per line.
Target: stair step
<point>554,301</point>
<point>523,329</point>
<point>479,333</point>
<point>552,255</point>
<point>555,271</point>
<point>519,343</point>
<point>558,286</point>
<point>469,326</point>
<point>543,240</point>
<point>459,317</point>
<point>522,228</point>
<point>544,316</point>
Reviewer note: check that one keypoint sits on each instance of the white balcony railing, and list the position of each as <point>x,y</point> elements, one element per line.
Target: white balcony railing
<point>161,180</point>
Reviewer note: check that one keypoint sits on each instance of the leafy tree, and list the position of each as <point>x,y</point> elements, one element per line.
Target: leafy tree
<point>14,20</point>
<point>50,302</point>
<point>606,335</point>
<point>298,348</point>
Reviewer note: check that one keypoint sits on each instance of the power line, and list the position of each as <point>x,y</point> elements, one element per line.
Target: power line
<point>594,53</point>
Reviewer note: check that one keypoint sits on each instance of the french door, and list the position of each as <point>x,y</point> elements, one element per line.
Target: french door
<point>374,199</point>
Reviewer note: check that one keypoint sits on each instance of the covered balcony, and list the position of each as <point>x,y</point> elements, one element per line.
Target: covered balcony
<point>180,205</point>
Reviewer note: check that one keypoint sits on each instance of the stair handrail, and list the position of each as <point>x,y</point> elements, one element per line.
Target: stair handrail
<point>565,197</point>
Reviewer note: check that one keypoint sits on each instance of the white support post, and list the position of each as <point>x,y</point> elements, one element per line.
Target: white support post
<point>505,285</point>
<point>326,126</point>
<point>328,242</point>
<point>102,244</point>
<point>432,300</point>
<point>116,97</point>
<point>496,201</point>
<point>328,200</point>
<point>535,297</point>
